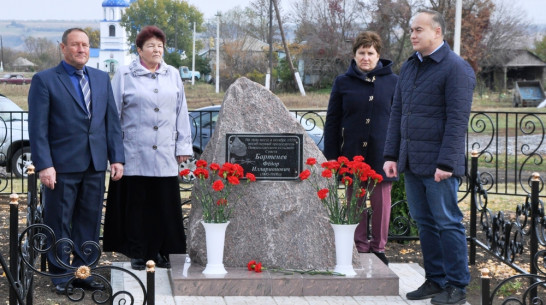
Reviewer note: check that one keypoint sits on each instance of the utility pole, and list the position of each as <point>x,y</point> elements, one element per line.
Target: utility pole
<point>218,53</point>
<point>2,55</point>
<point>193,58</point>
<point>457,34</point>
<point>288,58</point>
<point>268,77</point>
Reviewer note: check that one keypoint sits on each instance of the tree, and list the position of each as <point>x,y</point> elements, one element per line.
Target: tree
<point>327,27</point>
<point>94,37</point>
<point>173,17</point>
<point>42,52</point>
<point>540,48</point>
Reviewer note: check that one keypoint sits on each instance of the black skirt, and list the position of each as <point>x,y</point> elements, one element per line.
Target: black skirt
<point>144,217</point>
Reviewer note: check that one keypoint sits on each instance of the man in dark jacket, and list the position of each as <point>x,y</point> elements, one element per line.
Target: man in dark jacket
<point>426,141</point>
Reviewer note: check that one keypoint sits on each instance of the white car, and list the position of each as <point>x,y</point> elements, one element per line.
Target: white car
<point>14,140</point>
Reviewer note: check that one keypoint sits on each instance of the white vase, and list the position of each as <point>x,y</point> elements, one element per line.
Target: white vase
<point>344,238</point>
<point>215,236</point>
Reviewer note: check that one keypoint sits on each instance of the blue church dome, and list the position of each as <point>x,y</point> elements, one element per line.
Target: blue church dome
<point>116,3</point>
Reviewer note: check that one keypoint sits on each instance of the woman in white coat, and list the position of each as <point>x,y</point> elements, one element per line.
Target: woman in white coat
<point>143,213</point>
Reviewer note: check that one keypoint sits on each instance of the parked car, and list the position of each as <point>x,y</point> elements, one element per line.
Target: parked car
<point>14,79</point>
<point>185,73</point>
<point>14,140</point>
<point>203,121</point>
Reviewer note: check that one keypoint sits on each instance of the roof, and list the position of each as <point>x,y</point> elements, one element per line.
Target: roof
<point>94,52</point>
<point>116,3</point>
<point>23,62</point>
<point>513,58</point>
<point>524,58</point>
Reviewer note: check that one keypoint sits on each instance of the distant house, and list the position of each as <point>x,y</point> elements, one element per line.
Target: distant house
<point>250,50</point>
<point>511,66</point>
<point>22,64</point>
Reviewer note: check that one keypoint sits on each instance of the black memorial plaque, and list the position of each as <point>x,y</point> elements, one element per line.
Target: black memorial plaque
<point>267,156</point>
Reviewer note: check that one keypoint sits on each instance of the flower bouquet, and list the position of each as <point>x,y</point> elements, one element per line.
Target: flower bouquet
<point>215,185</point>
<point>359,180</point>
<point>344,208</point>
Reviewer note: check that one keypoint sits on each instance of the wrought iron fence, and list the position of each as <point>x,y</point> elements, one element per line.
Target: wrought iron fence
<point>510,145</point>
<point>29,248</point>
<point>502,236</point>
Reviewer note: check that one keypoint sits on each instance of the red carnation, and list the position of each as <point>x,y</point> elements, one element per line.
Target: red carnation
<point>201,173</point>
<point>323,193</point>
<point>343,160</point>
<point>214,166</point>
<point>311,161</point>
<point>251,265</point>
<point>327,173</point>
<point>218,185</point>
<point>221,201</point>
<point>305,174</point>
<point>358,158</point>
<point>347,180</point>
<point>233,180</point>
<point>185,172</point>
<point>258,267</point>
<point>251,177</point>
<point>201,163</point>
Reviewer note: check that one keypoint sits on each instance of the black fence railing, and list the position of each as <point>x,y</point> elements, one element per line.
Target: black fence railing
<point>29,249</point>
<point>510,145</point>
<point>503,237</point>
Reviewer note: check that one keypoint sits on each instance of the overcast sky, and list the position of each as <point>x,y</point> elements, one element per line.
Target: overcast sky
<point>92,9</point>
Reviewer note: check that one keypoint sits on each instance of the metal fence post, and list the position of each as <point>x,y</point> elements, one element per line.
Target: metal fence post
<point>13,238</point>
<point>533,244</point>
<point>150,282</point>
<point>32,206</point>
<point>485,283</point>
<point>473,206</point>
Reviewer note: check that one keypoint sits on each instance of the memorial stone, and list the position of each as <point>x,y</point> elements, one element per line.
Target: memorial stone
<point>281,223</point>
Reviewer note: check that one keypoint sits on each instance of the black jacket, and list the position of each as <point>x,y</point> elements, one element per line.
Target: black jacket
<point>358,114</point>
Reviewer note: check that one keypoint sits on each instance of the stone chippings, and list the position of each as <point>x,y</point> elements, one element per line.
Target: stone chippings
<point>280,223</point>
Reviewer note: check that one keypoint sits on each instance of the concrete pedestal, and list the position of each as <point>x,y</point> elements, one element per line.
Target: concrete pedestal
<point>373,278</point>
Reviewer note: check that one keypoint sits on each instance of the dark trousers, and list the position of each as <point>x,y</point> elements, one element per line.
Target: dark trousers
<point>73,211</point>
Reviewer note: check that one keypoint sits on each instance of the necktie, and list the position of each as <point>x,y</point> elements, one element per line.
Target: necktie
<point>85,90</point>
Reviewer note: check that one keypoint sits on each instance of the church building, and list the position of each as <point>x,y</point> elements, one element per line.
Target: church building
<point>114,49</point>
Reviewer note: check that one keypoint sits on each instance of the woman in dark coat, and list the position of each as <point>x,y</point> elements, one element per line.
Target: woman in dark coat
<point>356,124</point>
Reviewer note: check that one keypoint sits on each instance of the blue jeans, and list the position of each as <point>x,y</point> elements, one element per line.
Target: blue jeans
<point>433,205</point>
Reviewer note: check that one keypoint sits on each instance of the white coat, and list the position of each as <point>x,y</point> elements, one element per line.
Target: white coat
<point>154,119</point>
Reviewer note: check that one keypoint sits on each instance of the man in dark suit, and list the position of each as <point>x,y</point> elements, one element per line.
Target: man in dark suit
<point>74,131</point>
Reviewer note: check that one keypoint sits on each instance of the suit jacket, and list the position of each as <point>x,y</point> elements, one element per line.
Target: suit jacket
<point>61,134</point>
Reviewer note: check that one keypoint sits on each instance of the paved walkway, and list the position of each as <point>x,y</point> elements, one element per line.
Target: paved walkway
<point>411,277</point>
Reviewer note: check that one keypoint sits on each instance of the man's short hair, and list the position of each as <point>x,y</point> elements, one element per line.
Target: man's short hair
<point>437,19</point>
<point>65,34</point>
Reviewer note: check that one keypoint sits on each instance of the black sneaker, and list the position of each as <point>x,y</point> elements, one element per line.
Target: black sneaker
<point>382,257</point>
<point>138,263</point>
<point>428,290</point>
<point>451,295</point>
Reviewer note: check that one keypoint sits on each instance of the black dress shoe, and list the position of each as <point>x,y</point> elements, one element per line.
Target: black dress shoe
<point>64,289</point>
<point>382,257</point>
<point>138,263</point>
<point>89,285</point>
<point>162,261</point>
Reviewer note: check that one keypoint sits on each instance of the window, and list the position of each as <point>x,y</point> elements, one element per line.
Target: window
<point>112,30</point>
